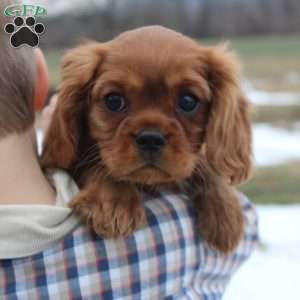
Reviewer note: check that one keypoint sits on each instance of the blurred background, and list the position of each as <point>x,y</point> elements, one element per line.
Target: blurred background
<point>266,36</point>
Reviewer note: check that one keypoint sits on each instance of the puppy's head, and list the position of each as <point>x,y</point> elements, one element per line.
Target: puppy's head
<point>155,104</point>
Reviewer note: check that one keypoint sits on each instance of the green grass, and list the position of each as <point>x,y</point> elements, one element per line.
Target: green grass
<point>267,60</point>
<point>276,184</point>
<point>276,115</point>
<point>53,58</point>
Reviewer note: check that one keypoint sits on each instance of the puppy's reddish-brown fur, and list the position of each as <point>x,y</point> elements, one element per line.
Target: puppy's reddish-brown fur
<point>206,154</point>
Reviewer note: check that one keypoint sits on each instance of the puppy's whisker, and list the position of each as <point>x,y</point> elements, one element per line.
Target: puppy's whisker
<point>100,171</point>
<point>86,161</point>
<point>90,151</point>
<point>91,148</point>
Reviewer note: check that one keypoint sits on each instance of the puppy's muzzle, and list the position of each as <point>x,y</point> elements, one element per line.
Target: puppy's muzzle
<point>150,144</point>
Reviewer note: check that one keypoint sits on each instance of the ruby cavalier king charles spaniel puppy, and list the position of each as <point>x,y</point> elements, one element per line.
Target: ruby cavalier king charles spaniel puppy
<point>152,109</point>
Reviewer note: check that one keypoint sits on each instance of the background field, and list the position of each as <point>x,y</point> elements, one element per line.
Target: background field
<point>271,63</point>
<point>268,60</point>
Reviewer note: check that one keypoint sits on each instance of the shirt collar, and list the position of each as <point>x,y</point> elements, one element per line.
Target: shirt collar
<point>29,229</point>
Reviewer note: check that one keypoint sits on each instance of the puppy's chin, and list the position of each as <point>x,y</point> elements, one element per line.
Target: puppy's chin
<point>152,174</point>
<point>149,175</point>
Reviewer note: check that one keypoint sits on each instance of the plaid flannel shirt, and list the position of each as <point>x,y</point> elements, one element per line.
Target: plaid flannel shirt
<point>166,260</point>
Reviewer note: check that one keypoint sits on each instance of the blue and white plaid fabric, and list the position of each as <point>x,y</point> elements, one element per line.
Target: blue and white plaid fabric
<point>166,260</point>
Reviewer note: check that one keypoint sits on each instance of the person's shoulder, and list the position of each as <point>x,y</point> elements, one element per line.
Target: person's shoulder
<point>169,248</point>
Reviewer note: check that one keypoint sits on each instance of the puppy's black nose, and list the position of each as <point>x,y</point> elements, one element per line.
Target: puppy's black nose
<point>150,141</point>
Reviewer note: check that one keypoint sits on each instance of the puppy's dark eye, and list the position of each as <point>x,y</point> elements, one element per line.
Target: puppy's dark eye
<point>115,102</point>
<point>188,103</point>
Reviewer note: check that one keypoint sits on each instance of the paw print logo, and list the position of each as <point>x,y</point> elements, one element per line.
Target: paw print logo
<point>24,32</point>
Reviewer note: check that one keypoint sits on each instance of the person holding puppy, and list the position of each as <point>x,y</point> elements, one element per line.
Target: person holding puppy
<point>46,253</point>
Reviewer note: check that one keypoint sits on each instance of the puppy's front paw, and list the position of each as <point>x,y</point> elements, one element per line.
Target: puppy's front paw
<point>221,221</point>
<point>120,215</point>
<point>111,211</point>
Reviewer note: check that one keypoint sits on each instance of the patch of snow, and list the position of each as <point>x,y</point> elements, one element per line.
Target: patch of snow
<point>275,145</point>
<point>273,271</point>
<point>263,98</point>
<point>39,139</point>
<point>293,78</point>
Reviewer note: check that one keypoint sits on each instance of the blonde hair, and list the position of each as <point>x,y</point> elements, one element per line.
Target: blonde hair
<point>17,81</point>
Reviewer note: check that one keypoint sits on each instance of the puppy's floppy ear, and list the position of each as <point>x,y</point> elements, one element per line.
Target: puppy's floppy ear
<point>78,69</point>
<point>228,135</point>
